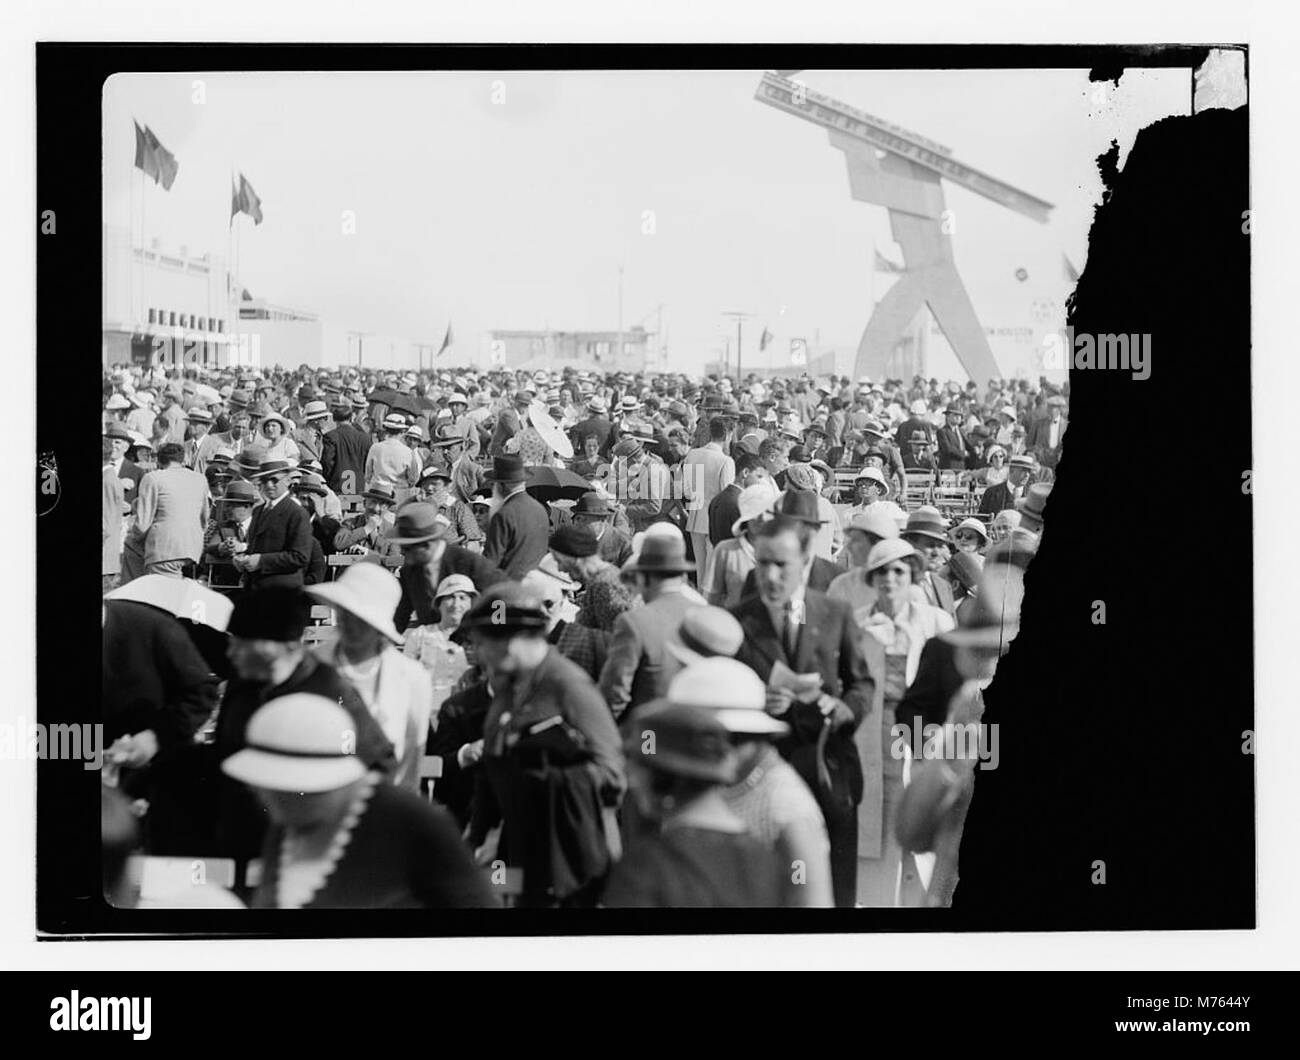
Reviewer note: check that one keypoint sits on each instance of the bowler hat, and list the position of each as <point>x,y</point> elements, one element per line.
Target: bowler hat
<point>1031,505</point>
<point>272,467</point>
<point>274,613</point>
<point>592,504</point>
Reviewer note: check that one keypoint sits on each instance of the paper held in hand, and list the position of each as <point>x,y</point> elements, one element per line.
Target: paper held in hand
<point>806,688</point>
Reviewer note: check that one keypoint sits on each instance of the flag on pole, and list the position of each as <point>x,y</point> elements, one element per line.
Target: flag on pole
<point>154,159</point>
<point>883,264</point>
<point>764,339</point>
<point>447,340</point>
<point>243,199</point>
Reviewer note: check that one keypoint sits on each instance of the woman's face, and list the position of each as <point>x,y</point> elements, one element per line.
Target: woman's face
<point>590,446</point>
<point>892,580</point>
<point>452,608</point>
<point>967,541</point>
<point>272,429</point>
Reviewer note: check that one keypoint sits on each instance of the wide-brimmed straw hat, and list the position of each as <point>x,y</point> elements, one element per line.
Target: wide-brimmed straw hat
<point>301,742</point>
<point>367,591</point>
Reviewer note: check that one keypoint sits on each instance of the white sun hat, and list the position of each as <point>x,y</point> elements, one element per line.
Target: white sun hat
<point>301,742</point>
<point>366,590</point>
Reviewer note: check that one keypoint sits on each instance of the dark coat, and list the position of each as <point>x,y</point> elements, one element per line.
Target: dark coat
<point>930,693</point>
<point>955,449</point>
<point>517,535</point>
<point>153,676</point>
<point>997,498</point>
<point>597,425</point>
<point>828,644</point>
<point>281,535</point>
<point>460,721</point>
<point>417,592</point>
<point>724,510</point>
<point>343,452</point>
<point>403,854</point>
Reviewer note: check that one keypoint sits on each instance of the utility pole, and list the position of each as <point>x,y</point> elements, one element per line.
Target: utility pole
<point>740,319</point>
<point>618,353</point>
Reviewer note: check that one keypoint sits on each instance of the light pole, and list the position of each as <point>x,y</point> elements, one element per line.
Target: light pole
<point>740,319</point>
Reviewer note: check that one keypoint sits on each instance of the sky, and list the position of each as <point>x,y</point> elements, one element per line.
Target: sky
<point>511,200</point>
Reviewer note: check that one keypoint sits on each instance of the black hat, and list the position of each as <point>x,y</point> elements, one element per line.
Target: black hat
<point>800,505</point>
<point>507,469</point>
<point>273,613</point>
<point>506,607</point>
<point>574,539</point>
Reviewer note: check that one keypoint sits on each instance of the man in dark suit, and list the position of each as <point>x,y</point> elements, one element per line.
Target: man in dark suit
<point>1046,434</point>
<point>955,449</point>
<point>279,535</point>
<point>724,509</point>
<point>809,633</point>
<point>927,532</point>
<point>428,557</point>
<point>637,667</point>
<point>597,423</point>
<point>1003,495</point>
<point>519,529</point>
<point>343,452</point>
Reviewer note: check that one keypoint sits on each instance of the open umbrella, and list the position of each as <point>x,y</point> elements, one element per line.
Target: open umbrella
<point>555,483</point>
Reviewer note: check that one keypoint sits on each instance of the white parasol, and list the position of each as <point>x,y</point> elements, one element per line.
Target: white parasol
<point>550,431</point>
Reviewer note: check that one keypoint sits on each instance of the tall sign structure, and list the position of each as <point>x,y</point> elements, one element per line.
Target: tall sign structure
<point>901,171</point>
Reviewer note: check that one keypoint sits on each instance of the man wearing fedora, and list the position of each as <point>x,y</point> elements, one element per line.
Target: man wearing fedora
<point>638,668</point>
<point>955,449</point>
<point>927,532</point>
<point>344,450</point>
<point>428,558</point>
<point>395,689</point>
<point>594,510</point>
<point>1003,495</point>
<point>519,528</point>
<point>552,765</point>
<point>803,507</point>
<point>823,688</point>
<point>368,530</point>
<point>595,423</point>
<point>511,419</point>
<point>1045,434</point>
<point>279,534</point>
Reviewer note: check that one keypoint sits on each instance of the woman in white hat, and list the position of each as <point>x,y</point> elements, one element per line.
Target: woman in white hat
<point>970,535</point>
<point>896,626</point>
<point>278,434</point>
<point>340,838</point>
<point>396,690</point>
<point>731,561</point>
<point>432,646</point>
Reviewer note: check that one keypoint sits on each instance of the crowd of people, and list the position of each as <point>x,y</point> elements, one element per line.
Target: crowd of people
<point>557,639</point>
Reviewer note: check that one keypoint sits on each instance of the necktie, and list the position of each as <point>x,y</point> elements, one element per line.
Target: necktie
<point>789,632</point>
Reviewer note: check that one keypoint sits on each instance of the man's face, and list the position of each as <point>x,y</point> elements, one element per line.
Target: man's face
<point>238,512</point>
<point>433,491</point>
<point>779,567</point>
<point>253,660</point>
<point>1017,475</point>
<point>119,448</point>
<point>376,509</point>
<point>273,487</point>
<point>776,462</point>
<point>198,429</point>
<point>865,491</point>
<point>493,652</point>
<point>423,553</point>
<point>753,475</point>
<point>590,446</point>
<point>934,553</point>
<point>239,424</point>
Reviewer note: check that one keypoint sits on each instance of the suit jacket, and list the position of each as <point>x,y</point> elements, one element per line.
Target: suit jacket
<point>829,644</point>
<point>281,535</point>
<point>942,592</point>
<point>343,453</point>
<point>706,472</point>
<point>997,498</point>
<point>417,592</point>
<point>172,513</point>
<point>724,510</point>
<point>460,721</point>
<point>1038,437</point>
<point>597,425</point>
<point>954,449</point>
<point>517,535</point>
<point>638,667</point>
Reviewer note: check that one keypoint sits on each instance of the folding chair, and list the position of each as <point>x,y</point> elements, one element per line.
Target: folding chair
<point>352,503</point>
<point>322,615</point>
<point>335,563</point>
